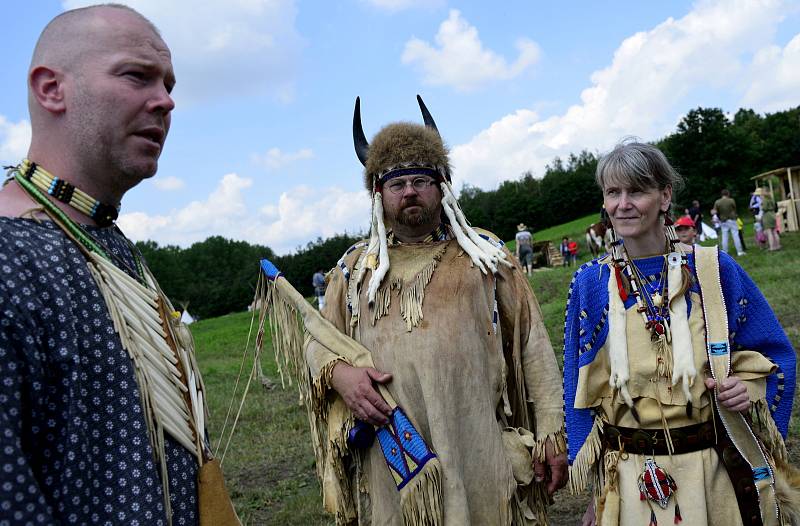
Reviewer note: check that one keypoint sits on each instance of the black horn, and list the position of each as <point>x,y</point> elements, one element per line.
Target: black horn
<point>359,140</point>
<point>426,115</point>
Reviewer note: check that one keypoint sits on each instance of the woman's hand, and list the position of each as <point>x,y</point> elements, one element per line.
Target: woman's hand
<point>732,393</point>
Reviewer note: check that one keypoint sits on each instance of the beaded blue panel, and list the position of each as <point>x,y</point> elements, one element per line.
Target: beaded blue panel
<point>403,448</point>
<point>761,473</point>
<point>718,348</point>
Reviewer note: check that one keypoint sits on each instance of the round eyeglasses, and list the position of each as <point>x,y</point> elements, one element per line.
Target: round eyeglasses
<point>420,184</point>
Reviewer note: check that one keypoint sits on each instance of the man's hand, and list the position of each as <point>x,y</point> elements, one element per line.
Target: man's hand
<point>732,393</point>
<point>354,384</point>
<point>553,469</point>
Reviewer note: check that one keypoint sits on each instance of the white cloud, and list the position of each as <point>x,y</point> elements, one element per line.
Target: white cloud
<point>653,79</point>
<point>458,58</point>
<point>169,183</point>
<point>400,5</point>
<point>15,138</point>
<point>222,49</point>
<point>300,214</point>
<point>774,79</point>
<point>275,158</point>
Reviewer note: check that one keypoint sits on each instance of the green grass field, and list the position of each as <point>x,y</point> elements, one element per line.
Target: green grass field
<point>269,466</point>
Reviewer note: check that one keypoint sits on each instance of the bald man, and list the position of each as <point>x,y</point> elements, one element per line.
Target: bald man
<point>100,399</point>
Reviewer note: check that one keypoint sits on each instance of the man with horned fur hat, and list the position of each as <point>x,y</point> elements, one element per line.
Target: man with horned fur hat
<point>457,338</point>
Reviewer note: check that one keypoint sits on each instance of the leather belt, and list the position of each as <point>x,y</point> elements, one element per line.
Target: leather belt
<point>686,440</point>
<point>653,441</point>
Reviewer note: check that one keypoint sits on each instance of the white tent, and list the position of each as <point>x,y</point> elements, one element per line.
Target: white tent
<point>709,232</point>
<point>187,318</point>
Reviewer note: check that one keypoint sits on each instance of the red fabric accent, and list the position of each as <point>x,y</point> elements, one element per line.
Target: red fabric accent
<point>678,517</point>
<point>622,293</point>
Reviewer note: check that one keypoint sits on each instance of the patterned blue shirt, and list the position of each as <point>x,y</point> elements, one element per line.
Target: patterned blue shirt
<point>74,447</point>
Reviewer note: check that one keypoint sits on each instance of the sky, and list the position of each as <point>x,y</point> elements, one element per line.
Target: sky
<point>261,147</point>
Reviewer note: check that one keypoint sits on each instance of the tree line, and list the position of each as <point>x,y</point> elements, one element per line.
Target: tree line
<point>218,276</point>
<point>710,149</point>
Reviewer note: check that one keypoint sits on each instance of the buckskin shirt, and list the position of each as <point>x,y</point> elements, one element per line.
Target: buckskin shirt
<point>476,374</point>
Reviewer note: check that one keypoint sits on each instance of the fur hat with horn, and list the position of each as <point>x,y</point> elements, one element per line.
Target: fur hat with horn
<point>405,148</point>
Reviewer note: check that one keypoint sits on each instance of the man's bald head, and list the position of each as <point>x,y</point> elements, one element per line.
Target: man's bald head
<point>67,38</point>
<point>98,95</point>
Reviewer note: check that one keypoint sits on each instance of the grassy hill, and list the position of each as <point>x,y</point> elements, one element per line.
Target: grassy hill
<point>270,466</point>
<point>574,229</point>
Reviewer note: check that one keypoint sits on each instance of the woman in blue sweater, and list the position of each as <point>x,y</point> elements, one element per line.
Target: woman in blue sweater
<point>678,378</point>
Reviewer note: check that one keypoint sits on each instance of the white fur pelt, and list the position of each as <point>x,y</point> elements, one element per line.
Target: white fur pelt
<point>485,255</point>
<point>683,369</point>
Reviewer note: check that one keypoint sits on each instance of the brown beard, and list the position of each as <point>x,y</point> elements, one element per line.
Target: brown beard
<point>422,217</point>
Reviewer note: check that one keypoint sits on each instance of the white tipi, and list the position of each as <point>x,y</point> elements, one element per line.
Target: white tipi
<point>186,318</point>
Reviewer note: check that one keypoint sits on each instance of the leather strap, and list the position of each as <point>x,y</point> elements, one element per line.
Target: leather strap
<point>734,424</point>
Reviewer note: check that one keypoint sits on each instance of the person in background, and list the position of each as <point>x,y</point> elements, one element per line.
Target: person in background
<point>686,230</point>
<point>755,202</point>
<point>696,215</point>
<point>715,222</point>
<point>573,251</point>
<point>565,253</point>
<point>740,232</point>
<point>726,210</point>
<point>769,222</point>
<point>318,281</point>
<point>524,250</point>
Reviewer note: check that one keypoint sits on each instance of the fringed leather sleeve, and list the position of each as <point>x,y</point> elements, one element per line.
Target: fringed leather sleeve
<point>535,388</point>
<point>320,360</point>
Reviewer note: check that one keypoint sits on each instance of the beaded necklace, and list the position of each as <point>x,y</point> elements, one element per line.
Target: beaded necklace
<point>103,214</point>
<point>653,306</point>
<point>22,175</point>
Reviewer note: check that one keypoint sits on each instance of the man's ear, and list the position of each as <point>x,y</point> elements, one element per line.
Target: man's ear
<point>47,87</point>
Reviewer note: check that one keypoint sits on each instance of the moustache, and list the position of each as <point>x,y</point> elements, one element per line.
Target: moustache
<point>411,201</point>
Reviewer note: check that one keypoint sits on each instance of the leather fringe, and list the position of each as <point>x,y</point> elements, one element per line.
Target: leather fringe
<point>329,423</point>
<point>412,294</point>
<point>558,441</point>
<point>587,457</point>
<point>421,499</point>
<point>787,493</point>
<point>767,431</point>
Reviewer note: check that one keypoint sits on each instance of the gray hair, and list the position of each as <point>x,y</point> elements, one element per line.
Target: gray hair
<point>638,165</point>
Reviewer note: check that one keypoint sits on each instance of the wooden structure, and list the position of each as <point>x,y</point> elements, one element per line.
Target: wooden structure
<point>545,254</point>
<point>784,185</point>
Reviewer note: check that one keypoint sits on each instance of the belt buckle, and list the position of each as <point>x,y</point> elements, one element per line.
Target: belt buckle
<point>643,441</point>
<point>612,435</point>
